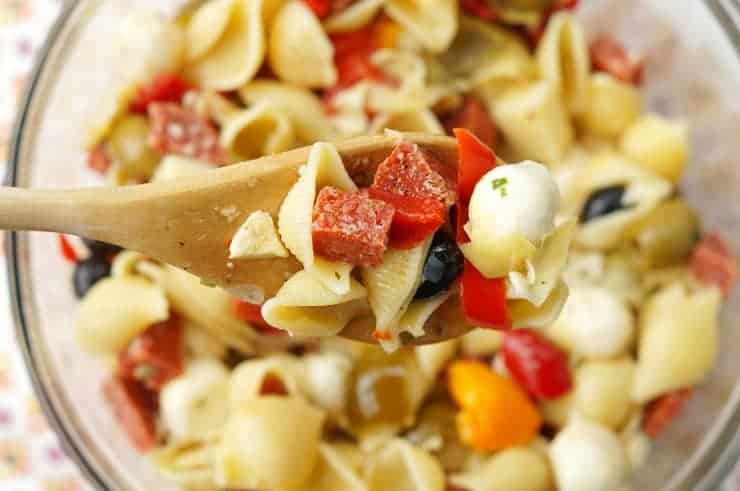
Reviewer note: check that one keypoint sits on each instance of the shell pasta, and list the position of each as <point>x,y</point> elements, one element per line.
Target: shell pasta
<point>553,251</point>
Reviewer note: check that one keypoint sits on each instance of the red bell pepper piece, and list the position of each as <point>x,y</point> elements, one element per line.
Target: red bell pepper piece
<point>479,8</point>
<point>483,299</point>
<point>166,87</point>
<point>475,160</point>
<point>321,8</point>
<point>68,252</point>
<point>252,313</point>
<point>414,219</point>
<point>156,356</point>
<point>536,363</point>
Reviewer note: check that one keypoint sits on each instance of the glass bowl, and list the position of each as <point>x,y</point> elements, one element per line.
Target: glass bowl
<point>693,71</point>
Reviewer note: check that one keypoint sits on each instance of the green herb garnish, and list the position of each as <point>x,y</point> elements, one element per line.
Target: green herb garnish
<point>500,186</point>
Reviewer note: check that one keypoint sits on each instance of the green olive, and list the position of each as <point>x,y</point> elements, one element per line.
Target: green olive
<point>130,150</point>
<point>667,235</point>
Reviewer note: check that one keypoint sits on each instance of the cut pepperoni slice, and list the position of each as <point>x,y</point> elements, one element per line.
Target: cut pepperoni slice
<point>180,131</point>
<point>155,356</point>
<point>713,263</point>
<point>166,87</point>
<point>135,408</point>
<point>473,116</point>
<point>659,413</point>
<point>99,160</point>
<point>410,171</point>
<point>351,227</point>
<point>608,55</point>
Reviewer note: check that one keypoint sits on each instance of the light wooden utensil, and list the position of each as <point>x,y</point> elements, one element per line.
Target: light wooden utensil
<point>189,222</point>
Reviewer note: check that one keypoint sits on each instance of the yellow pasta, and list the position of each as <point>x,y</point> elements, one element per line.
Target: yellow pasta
<point>421,121</point>
<point>195,403</point>
<point>432,358</point>
<point>613,106</point>
<point>145,305</point>
<point>334,472</point>
<point>603,391</point>
<point>248,378</point>
<point>557,412</point>
<point>189,464</point>
<point>562,55</point>
<point>481,342</point>
<point>400,466</point>
<point>535,122</point>
<point>324,168</point>
<point>262,129</point>
<point>433,23</point>
<point>210,308</point>
<point>391,287</point>
<point>206,26</point>
<point>518,468</point>
<point>354,17</point>
<point>151,45</point>
<point>305,306</point>
<point>236,55</point>
<point>299,50</point>
<point>270,443</point>
<point>523,313</point>
<point>678,340</point>
<point>658,144</point>
<point>544,268</point>
<point>302,107</point>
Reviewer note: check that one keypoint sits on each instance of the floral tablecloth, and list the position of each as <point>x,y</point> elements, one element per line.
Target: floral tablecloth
<point>30,455</point>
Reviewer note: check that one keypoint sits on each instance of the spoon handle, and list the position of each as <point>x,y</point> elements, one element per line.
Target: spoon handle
<point>51,211</point>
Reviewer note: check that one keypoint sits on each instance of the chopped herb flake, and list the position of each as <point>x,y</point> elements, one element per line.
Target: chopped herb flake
<point>500,185</point>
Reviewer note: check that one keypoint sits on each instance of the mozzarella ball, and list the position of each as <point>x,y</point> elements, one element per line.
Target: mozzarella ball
<point>595,323</point>
<point>196,402</point>
<point>587,457</point>
<point>518,198</point>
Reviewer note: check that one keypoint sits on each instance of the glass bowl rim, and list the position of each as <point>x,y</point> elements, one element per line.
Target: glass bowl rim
<point>717,464</point>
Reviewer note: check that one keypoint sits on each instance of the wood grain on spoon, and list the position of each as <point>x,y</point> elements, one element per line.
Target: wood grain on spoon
<point>189,222</point>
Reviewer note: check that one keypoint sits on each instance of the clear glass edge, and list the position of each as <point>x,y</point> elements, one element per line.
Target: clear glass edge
<point>707,475</point>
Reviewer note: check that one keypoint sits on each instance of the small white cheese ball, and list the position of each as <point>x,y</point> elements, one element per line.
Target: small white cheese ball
<point>197,401</point>
<point>595,323</point>
<point>587,457</point>
<point>516,198</point>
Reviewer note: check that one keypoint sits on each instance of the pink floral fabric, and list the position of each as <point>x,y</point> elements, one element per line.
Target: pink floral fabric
<point>31,458</point>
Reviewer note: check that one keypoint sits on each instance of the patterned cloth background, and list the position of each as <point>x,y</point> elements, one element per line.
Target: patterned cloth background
<point>30,456</point>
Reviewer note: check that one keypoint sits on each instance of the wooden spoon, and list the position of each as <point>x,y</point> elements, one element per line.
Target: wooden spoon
<point>188,222</point>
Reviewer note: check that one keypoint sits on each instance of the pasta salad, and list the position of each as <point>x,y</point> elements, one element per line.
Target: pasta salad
<point>589,291</point>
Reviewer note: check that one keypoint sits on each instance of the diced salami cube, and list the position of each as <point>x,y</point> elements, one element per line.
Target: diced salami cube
<point>659,413</point>
<point>414,219</point>
<point>155,356</point>
<point>608,55</point>
<point>350,227</point>
<point>713,263</point>
<point>135,408</point>
<point>99,160</point>
<point>473,116</point>
<point>180,131</point>
<point>412,172</point>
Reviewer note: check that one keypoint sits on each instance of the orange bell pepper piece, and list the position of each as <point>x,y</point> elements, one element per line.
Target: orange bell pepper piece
<point>495,412</point>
